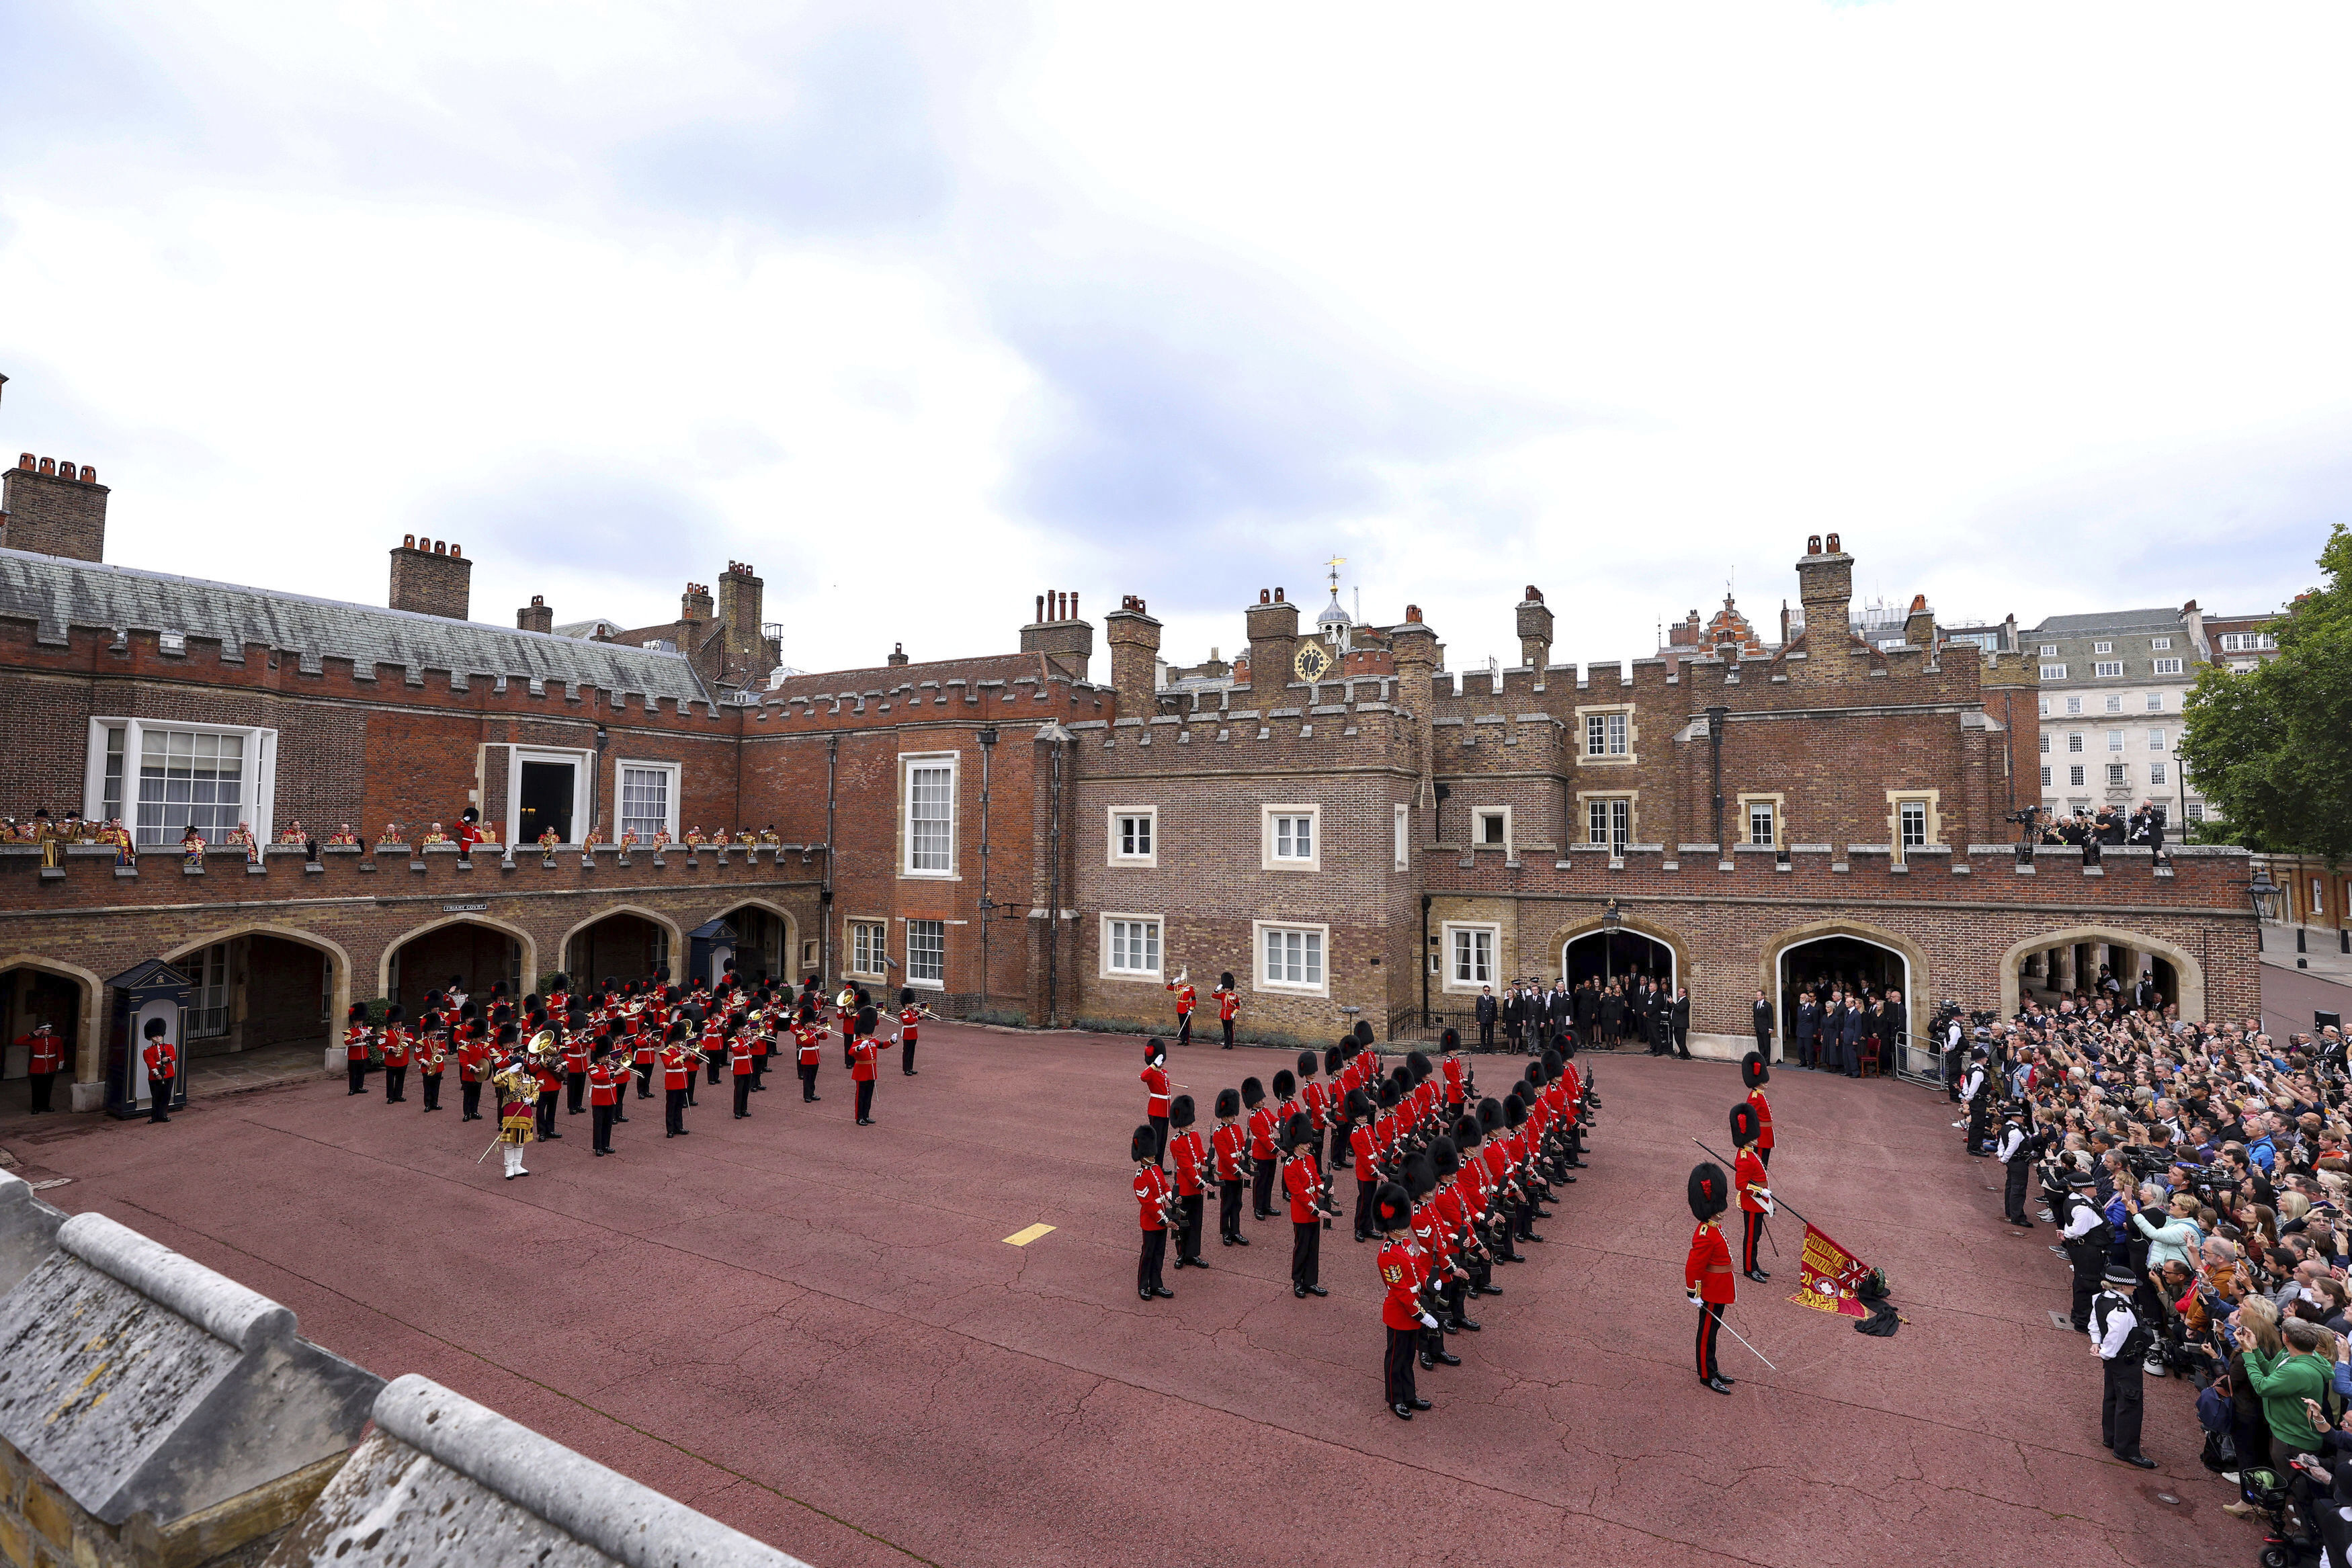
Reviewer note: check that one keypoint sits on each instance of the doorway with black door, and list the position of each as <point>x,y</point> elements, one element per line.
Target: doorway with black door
<point>544,796</point>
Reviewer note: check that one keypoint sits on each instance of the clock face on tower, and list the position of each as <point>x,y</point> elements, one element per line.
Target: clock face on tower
<point>1313,663</point>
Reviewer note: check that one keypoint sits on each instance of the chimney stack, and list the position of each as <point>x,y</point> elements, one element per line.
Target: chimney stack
<point>1134,638</point>
<point>1826,588</point>
<point>1919,626</point>
<point>430,577</point>
<point>898,652</point>
<point>51,508</point>
<point>1535,630</point>
<point>1059,634</point>
<point>694,604</point>
<point>1273,625</point>
<point>535,616</point>
<point>749,654</point>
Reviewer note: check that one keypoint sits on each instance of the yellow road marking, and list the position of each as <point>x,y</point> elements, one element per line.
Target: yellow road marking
<point>1022,1238</point>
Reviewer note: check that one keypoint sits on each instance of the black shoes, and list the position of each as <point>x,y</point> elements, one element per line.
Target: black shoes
<point>1719,1385</point>
<point>1164,1292</point>
<point>2140,1461</point>
<point>1239,1239</point>
<point>1446,1357</point>
<point>1402,1412</point>
<point>1472,1324</point>
<point>1317,1291</point>
<point>1758,1275</point>
<point>1420,1404</point>
<point>865,1121</point>
<point>1486,1290</point>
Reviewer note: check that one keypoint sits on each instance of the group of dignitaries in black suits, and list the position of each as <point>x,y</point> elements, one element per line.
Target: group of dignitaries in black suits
<point>1626,1009</point>
<point>1448,1182</point>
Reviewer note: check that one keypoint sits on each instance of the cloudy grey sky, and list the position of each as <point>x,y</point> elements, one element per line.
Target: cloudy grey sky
<point>924,310</point>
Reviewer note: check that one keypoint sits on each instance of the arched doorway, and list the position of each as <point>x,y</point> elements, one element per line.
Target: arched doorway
<point>2071,962</point>
<point>31,995</point>
<point>478,954</point>
<point>621,945</point>
<point>260,987</point>
<point>1840,959</point>
<point>1624,953</point>
<point>767,941</point>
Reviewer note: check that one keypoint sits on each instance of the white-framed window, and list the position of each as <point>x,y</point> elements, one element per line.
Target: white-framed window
<point>1912,818</point>
<point>2049,649</point>
<point>161,778</point>
<point>547,787</point>
<point>2156,773</point>
<point>2045,779</point>
<point>2115,705</point>
<point>1609,820</point>
<point>2054,672</point>
<point>1763,824</point>
<point>1607,735</point>
<point>207,1015</point>
<point>2074,776</point>
<point>2242,666</point>
<point>927,808</point>
<point>2156,702</point>
<point>2247,642</point>
<point>2045,743</point>
<point>1291,838</point>
<point>2158,739</point>
<point>2107,669</point>
<point>1290,957</point>
<point>1490,828</point>
<point>2196,810</point>
<point>1134,835</point>
<point>2168,666</point>
<point>1130,946</point>
<point>2074,704</point>
<point>2042,706</point>
<point>1469,955</point>
<point>869,948</point>
<point>927,953</point>
<point>2114,740</point>
<point>648,799</point>
<point>2103,647</point>
<point>1403,838</point>
<point>2074,740</point>
<point>2119,772</point>
<point>2159,644</point>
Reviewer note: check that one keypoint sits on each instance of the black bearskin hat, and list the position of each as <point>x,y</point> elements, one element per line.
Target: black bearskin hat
<point>1309,1064</point>
<point>556,982</point>
<point>1467,1134</point>
<point>1229,1103</point>
<point>506,1034</point>
<point>1363,1032</point>
<point>1253,1092</point>
<point>866,1019</point>
<point>1389,1095</point>
<point>432,999</point>
<point>470,1010</point>
<point>1747,1126</point>
<point>1226,979</point>
<point>1416,1064</point>
<point>1554,1060</point>
<point>1420,1179</point>
<point>1331,1059</point>
<point>863,1000</point>
<point>1284,1085</point>
<point>1709,1190</point>
<point>1490,1114</point>
<point>1391,1207</point>
<point>1359,1105</point>
<point>1566,1045</point>
<point>156,1028</point>
<point>1446,1158</point>
<point>1401,1077</point>
<point>1752,1070</point>
<point>395,1013</point>
<point>1450,1041</point>
<point>1515,1112</point>
<point>358,1013</point>
<point>1180,1111</point>
<point>1296,1131</point>
<point>906,995</point>
<point>1141,1145</point>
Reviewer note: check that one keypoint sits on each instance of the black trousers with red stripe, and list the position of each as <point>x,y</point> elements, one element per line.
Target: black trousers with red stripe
<point>1396,1367</point>
<point>1184,1029</point>
<point>1751,1228</point>
<point>1710,1319</point>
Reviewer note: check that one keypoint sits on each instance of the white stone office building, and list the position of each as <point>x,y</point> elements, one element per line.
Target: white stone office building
<point>2112,685</point>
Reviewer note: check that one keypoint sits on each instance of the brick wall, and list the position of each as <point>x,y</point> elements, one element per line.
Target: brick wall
<point>54,508</point>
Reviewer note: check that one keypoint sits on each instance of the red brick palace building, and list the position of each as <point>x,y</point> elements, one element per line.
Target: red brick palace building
<point>1353,830</point>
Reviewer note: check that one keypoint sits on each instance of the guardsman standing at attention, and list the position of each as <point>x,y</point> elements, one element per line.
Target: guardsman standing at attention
<point>677,1065</point>
<point>1151,1200</point>
<point>45,1057</point>
<point>1400,1311</point>
<point>432,1058</point>
<point>473,1068</point>
<point>1229,1002</point>
<point>395,1055</point>
<point>356,1036</point>
<point>1155,1095</point>
<point>910,1015</point>
<point>1304,1185</point>
<point>1706,1273</point>
<point>739,1060</point>
<point>1754,1074</point>
<point>645,1047</point>
<point>1187,998</point>
<point>1755,1194</point>
<point>1314,1099</point>
<point>162,1060</point>
<point>575,1068</point>
<point>862,1067</point>
<point>549,1072</point>
<point>1261,1129</point>
<point>1232,1147</point>
<point>808,1040</point>
<point>605,1083</point>
<point>1192,1156</point>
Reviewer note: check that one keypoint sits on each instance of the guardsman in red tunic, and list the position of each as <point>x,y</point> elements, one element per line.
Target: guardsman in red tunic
<point>45,1058</point>
<point>1302,1183</point>
<point>677,1065</point>
<point>162,1060</point>
<point>645,1049</point>
<point>605,1079</point>
<point>1707,1274</point>
<point>547,1067</point>
<point>861,1065</point>
<point>1261,1129</point>
<point>473,1068</point>
<point>575,1067</point>
<point>1450,1068</point>
<point>1316,1100</point>
<point>1754,1074</point>
<point>395,1055</point>
<point>1229,1002</point>
<point>356,1038</point>
<point>1187,998</point>
<point>1400,1311</point>
<point>1364,1143</point>
<point>808,1038</point>
<point>1231,1145</point>
<point>1433,1247</point>
<point>1155,1093</point>
<point>1755,1191</point>
<point>1455,1213</point>
<point>1191,1157</point>
<point>910,1015</point>
<point>1152,1197</point>
<point>431,1060</point>
<point>739,1060</point>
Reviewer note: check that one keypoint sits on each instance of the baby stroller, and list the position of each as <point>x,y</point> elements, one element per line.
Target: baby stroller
<point>2292,1541</point>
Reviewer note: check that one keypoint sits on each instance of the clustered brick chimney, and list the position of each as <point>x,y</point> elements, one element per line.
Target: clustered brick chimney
<point>430,577</point>
<point>50,507</point>
<point>744,656</point>
<point>1826,588</point>
<point>1059,634</point>
<point>535,616</point>
<point>1273,623</point>
<point>694,604</point>
<point>1134,638</point>
<point>1535,630</point>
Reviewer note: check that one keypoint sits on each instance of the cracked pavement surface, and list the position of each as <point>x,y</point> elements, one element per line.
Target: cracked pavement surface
<point>816,1332</point>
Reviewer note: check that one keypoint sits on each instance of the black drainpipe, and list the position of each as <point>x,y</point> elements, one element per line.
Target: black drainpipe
<point>824,894</point>
<point>1425,960</point>
<point>1714,718</point>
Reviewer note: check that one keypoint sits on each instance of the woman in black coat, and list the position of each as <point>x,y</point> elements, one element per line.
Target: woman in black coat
<point>1613,1017</point>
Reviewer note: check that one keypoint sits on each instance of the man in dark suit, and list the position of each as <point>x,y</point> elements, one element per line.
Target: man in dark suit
<point>1487,1013</point>
<point>1809,1031</point>
<point>1661,1021</point>
<point>1763,1012</point>
<point>1897,1023</point>
<point>1682,1023</point>
<point>1588,1010</point>
<point>1851,1029</point>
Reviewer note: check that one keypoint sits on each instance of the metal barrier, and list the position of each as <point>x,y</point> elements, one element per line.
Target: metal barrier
<point>1919,1060</point>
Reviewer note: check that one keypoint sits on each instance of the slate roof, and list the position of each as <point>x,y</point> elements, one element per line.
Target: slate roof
<point>55,592</point>
<point>2165,619</point>
<point>888,677</point>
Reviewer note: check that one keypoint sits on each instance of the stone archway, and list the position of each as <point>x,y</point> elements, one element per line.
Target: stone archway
<point>527,948</point>
<point>338,960</point>
<point>1772,972</point>
<point>673,942</point>
<point>788,959</point>
<point>1569,931</point>
<point>2188,973</point>
<point>89,1036</point>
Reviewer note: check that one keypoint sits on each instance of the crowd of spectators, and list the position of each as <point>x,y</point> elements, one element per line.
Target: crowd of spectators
<point>2219,1161</point>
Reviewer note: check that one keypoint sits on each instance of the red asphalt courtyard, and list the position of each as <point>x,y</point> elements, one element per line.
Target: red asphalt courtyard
<point>818,1333</point>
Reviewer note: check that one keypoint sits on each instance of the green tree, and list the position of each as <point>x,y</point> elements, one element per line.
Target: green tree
<point>2272,747</point>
